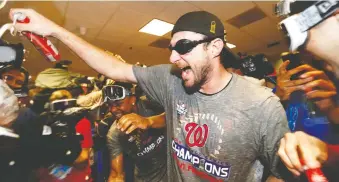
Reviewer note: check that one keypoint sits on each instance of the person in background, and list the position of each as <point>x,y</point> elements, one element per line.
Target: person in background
<point>137,135</point>
<point>9,108</point>
<point>16,78</point>
<point>321,40</point>
<point>9,151</point>
<point>255,69</point>
<point>320,91</point>
<point>80,170</point>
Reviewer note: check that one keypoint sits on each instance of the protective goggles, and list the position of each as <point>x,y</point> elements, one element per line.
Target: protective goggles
<point>61,105</point>
<point>185,46</point>
<point>114,92</point>
<point>296,27</point>
<point>11,53</point>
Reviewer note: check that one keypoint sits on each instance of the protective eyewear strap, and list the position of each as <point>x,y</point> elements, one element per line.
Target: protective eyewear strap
<point>316,13</point>
<point>196,42</point>
<point>125,92</point>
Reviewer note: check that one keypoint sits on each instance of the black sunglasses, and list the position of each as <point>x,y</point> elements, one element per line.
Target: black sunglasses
<point>185,46</point>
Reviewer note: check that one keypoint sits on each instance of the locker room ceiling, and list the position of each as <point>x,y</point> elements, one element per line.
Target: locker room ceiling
<point>114,26</point>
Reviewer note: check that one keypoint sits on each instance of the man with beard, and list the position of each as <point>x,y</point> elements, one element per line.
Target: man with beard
<point>218,124</point>
<point>136,137</point>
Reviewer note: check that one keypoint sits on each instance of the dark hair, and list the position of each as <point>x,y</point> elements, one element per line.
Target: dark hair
<point>124,84</point>
<point>63,64</point>
<point>228,59</point>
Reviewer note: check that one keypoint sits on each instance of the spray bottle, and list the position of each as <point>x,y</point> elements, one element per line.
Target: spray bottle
<point>42,44</point>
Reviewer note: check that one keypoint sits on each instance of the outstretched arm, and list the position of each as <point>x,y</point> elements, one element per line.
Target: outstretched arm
<point>95,57</point>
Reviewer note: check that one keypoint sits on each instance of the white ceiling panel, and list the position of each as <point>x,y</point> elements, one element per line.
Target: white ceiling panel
<point>90,14</point>
<point>264,30</point>
<point>92,30</point>
<point>225,9</point>
<point>152,8</point>
<point>93,16</point>
<point>267,7</point>
<point>175,10</point>
<point>107,45</point>
<point>141,39</point>
<point>54,10</point>
<point>123,24</point>
<point>242,40</point>
<point>116,34</point>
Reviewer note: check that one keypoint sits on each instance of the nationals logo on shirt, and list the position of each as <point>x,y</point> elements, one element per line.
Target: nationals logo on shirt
<point>196,134</point>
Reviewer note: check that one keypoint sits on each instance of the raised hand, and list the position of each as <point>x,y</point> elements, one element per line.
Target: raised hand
<point>38,24</point>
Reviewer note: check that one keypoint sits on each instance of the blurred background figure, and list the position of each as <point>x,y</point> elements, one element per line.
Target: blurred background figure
<point>257,69</point>
<point>80,170</point>
<point>136,140</point>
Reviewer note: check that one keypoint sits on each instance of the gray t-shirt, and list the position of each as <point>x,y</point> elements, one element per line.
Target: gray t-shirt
<point>147,149</point>
<point>216,137</point>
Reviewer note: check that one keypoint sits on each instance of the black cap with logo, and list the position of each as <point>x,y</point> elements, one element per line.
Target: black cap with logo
<point>209,25</point>
<point>200,22</point>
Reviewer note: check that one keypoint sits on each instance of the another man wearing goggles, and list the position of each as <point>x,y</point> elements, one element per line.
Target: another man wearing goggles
<point>312,27</point>
<point>135,135</point>
<point>218,123</point>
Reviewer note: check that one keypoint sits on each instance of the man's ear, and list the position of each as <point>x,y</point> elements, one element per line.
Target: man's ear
<point>216,47</point>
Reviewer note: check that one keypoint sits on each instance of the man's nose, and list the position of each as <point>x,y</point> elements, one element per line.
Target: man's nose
<point>175,56</point>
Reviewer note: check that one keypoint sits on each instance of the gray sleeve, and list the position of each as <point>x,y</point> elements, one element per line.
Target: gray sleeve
<point>154,81</point>
<point>113,142</point>
<point>273,128</point>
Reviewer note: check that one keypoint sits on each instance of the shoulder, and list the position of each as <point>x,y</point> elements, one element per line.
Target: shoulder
<point>149,108</point>
<point>159,71</point>
<point>252,94</point>
<point>165,68</point>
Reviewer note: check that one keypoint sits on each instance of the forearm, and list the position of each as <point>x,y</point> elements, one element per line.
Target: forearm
<point>95,57</point>
<point>158,121</point>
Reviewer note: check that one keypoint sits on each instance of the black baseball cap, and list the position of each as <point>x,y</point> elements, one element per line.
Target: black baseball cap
<point>201,22</point>
<point>209,25</point>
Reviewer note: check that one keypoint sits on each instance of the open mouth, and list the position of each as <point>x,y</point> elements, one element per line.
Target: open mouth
<point>186,72</point>
<point>186,68</point>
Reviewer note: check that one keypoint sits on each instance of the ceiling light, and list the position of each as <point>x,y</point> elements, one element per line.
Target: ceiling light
<point>231,46</point>
<point>157,27</point>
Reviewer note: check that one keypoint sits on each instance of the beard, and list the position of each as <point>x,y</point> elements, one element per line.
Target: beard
<point>200,78</point>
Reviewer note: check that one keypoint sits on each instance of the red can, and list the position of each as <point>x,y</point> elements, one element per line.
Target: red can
<point>315,175</point>
<point>42,44</point>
